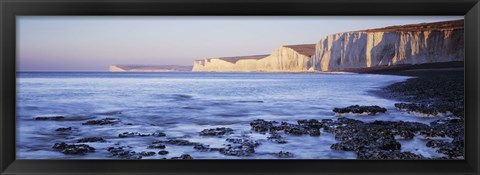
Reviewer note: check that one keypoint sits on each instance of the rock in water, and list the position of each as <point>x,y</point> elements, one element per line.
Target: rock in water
<point>91,139</point>
<point>216,131</point>
<point>76,149</point>
<point>147,154</point>
<point>54,118</point>
<point>105,121</point>
<point>183,157</point>
<point>356,109</point>
<point>123,153</point>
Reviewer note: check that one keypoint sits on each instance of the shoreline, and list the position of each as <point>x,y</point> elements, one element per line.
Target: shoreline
<point>379,139</point>
<point>433,91</point>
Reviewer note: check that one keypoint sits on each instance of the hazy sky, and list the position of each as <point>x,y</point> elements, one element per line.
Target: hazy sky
<point>56,43</point>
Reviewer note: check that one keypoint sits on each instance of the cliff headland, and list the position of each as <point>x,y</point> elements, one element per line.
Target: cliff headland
<point>395,46</point>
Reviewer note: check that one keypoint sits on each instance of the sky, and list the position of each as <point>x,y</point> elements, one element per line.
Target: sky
<point>92,43</point>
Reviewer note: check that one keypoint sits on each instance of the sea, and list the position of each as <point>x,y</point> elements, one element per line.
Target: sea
<point>182,104</point>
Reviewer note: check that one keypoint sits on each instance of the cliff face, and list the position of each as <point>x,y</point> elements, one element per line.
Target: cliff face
<point>395,45</point>
<point>411,44</point>
<point>293,58</point>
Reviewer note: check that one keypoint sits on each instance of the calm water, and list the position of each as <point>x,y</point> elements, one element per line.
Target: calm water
<point>183,104</point>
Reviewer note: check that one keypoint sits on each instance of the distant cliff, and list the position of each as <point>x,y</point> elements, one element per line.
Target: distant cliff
<point>395,45</point>
<point>291,58</point>
<point>144,68</point>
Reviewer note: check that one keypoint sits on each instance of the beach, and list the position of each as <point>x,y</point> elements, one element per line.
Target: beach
<point>240,115</point>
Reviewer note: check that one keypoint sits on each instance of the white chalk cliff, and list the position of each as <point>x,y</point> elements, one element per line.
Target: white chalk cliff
<point>293,58</point>
<point>395,45</point>
<point>409,44</point>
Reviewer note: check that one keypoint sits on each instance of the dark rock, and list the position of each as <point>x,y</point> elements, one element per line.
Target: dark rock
<point>105,121</point>
<point>147,154</point>
<point>310,127</point>
<point>54,118</point>
<point>276,138</point>
<point>436,143</point>
<point>63,129</point>
<point>356,109</point>
<point>183,157</point>
<point>176,142</point>
<point>283,154</point>
<point>453,150</point>
<point>238,150</point>
<point>390,145</point>
<point>312,123</point>
<point>436,95</point>
<point>216,131</point>
<point>240,147</point>
<point>156,146</point>
<point>382,154</point>
<point>243,141</point>
<point>163,152</point>
<point>420,108</point>
<point>261,125</point>
<point>314,132</point>
<point>296,131</point>
<point>137,134</point>
<point>123,153</point>
<point>202,147</point>
<point>110,113</point>
<point>91,139</point>
<point>75,149</point>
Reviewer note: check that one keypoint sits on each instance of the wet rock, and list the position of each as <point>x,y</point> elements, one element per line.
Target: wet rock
<point>436,143</point>
<point>105,121</point>
<point>261,125</point>
<point>420,108</point>
<point>178,142</point>
<point>453,150</point>
<point>216,131</point>
<point>238,150</point>
<point>156,146</point>
<point>374,140</point>
<point>312,123</point>
<point>356,109</point>
<point>54,118</point>
<point>296,131</point>
<point>75,149</point>
<point>382,154</point>
<point>435,95</point>
<point>137,134</point>
<point>64,129</point>
<point>314,132</point>
<point>407,135</point>
<point>147,154</point>
<point>123,153</point>
<point>163,152</point>
<point>206,148</point>
<point>183,157</point>
<point>276,138</point>
<point>310,127</point>
<point>91,139</point>
<point>242,146</point>
<point>283,154</point>
<point>110,113</point>
<point>243,141</point>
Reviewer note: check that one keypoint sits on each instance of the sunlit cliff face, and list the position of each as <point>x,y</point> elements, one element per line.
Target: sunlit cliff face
<point>409,44</point>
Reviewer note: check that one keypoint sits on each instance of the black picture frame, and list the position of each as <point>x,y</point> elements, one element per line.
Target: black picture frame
<point>11,8</point>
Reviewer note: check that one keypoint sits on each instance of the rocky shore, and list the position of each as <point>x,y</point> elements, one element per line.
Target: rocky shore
<point>434,93</point>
